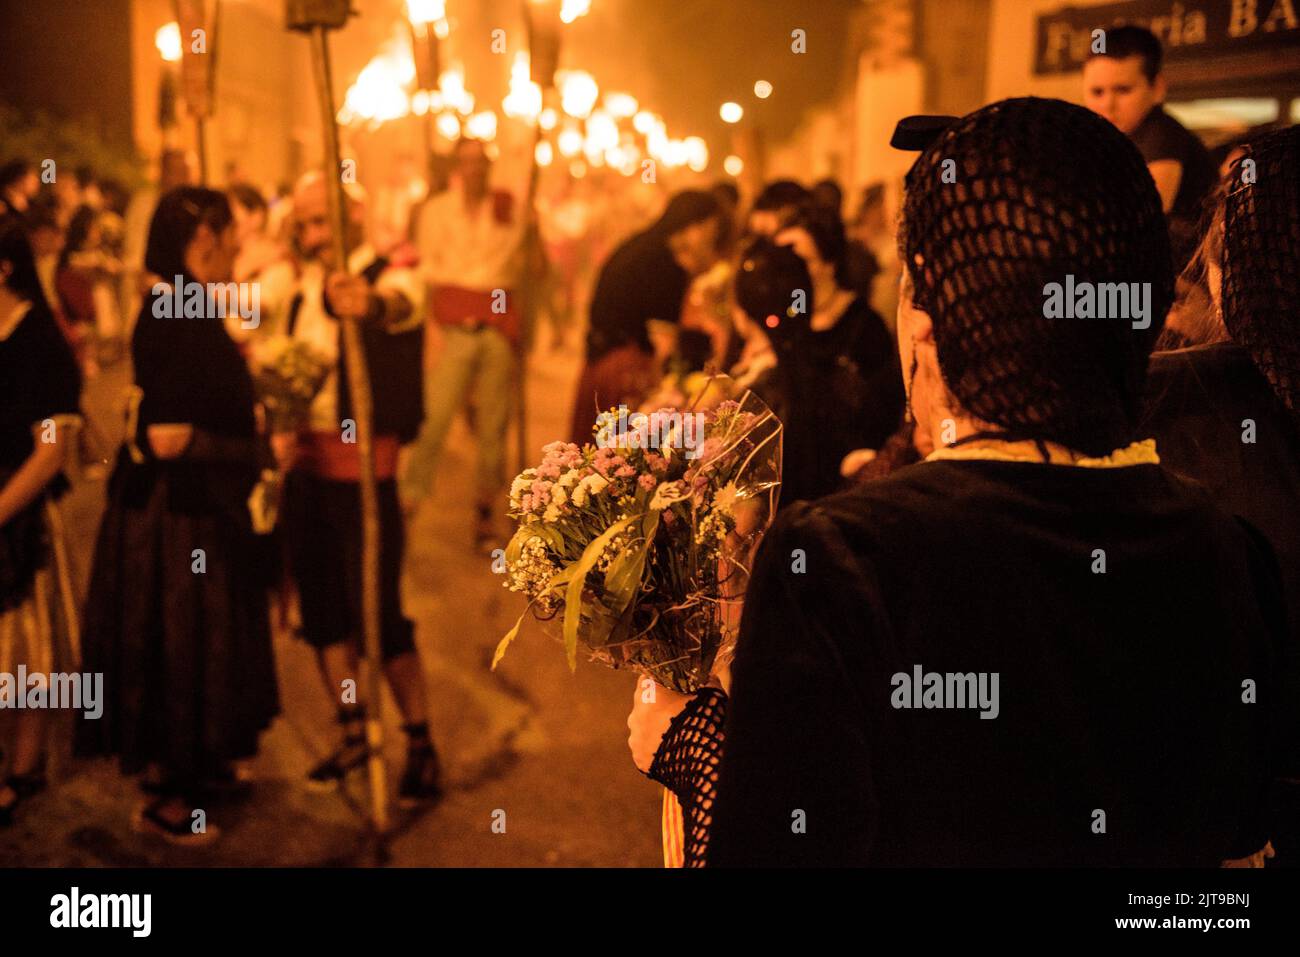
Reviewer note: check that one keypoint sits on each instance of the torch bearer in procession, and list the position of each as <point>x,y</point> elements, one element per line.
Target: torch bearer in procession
<point>317,18</point>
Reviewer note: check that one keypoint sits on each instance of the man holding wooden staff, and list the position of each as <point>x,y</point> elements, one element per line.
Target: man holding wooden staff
<point>322,511</point>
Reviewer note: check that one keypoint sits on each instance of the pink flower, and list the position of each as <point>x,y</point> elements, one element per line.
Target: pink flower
<point>656,462</point>
<point>647,482</point>
<point>625,471</point>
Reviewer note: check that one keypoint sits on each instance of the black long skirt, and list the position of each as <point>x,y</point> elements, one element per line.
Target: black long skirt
<point>176,620</point>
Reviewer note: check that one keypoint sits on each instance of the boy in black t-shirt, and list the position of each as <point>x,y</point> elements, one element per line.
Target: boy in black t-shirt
<point>1124,84</point>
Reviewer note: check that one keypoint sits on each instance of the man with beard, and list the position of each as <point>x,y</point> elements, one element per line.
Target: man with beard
<point>322,495</point>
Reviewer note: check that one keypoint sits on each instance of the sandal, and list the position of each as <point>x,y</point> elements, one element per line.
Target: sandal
<point>347,757</point>
<point>148,819</point>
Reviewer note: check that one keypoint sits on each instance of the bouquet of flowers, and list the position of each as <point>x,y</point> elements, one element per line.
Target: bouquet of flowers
<point>639,544</point>
<point>287,374</point>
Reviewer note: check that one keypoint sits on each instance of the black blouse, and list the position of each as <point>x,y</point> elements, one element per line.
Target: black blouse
<point>39,379</point>
<point>835,390</point>
<point>191,371</point>
<point>1120,691</point>
<point>639,282</point>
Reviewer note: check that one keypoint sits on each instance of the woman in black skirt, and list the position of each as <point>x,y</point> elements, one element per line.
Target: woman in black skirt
<point>176,617</point>
<point>39,391</point>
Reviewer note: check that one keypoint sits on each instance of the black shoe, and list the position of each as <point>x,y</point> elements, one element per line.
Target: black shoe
<point>149,819</point>
<point>422,779</point>
<point>328,774</point>
<point>24,787</point>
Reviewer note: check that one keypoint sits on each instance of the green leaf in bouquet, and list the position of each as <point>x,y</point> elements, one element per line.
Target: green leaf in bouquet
<point>623,577</point>
<point>573,593</point>
<point>504,643</point>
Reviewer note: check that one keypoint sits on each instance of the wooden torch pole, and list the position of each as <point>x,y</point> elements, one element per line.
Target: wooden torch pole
<point>362,411</point>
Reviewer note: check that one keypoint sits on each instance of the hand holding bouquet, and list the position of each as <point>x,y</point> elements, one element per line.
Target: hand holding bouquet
<point>639,544</point>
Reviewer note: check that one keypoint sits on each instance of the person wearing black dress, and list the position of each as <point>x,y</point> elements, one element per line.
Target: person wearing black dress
<point>1226,410</point>
<point>176,618</point>
<point>40,389</point>
<point>836,386</point>
<point>645,279</point>
<point>1037,646</point>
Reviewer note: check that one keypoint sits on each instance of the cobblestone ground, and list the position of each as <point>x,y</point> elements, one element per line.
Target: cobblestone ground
<point>545,746</point>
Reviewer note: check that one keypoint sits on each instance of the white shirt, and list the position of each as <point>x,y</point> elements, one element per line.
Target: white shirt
<point>315,327</point>
<point>470,251</point>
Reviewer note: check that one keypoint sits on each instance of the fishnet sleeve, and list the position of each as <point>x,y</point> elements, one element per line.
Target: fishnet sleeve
<point>687,764</point>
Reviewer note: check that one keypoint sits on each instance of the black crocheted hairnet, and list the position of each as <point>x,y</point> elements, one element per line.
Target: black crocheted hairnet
<point>1261,259</point>
<point>1043,189</point>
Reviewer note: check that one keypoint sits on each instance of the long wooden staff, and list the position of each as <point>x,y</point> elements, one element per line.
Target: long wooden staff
<point>362,412</point>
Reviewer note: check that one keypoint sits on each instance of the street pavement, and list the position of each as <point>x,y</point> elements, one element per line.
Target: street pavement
<point>532,745</point>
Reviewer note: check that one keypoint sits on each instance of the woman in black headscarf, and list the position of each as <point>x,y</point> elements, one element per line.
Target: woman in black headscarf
<point>1030,648</point>
<point>176,616</point>
<point>645,279</point>
<point>1226,410</point>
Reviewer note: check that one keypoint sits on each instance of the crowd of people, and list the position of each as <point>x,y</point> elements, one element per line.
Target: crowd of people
<point>971,482</point>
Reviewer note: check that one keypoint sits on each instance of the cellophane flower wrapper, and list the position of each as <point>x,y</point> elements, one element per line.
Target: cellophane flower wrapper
<point>640,551</point>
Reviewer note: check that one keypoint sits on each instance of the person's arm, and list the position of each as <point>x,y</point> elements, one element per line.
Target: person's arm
<point>1168,174</point>
<point>795,784</point>
<point>36,472</point>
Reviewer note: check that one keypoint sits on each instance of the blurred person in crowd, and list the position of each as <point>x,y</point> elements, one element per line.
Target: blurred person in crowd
<point>727,194</point>
<point>836,384</point>
<point>1038,473</point>
<point>861,265</point>
<point>1225,407</point>
<point>641,288</point>
<point>257,250</point>
<point>175,168</point>
<point>470,242</point>
<point>322,496</point>
<point>88,187</point>
<point>46,239</point>
<point>827,194</point>
<point>176,616</point>
<point>775,206</point>
<point>39,409</point>
<point>18,187</point>
<point>1124,83</point>
<point>86,279</point>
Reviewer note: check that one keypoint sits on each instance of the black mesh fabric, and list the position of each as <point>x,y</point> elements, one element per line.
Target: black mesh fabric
<point>1043,189</point>
<point>687,764</point>
<point>1261,259</point>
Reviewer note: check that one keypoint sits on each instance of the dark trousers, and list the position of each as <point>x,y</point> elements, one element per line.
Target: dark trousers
<point>323,526</point>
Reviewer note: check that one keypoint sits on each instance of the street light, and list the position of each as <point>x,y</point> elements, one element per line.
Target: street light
<point>168,41</point>
<point>731,112</point>
<point>762,89</point>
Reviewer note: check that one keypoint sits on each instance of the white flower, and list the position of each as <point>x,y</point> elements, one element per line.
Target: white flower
<point>558,495</point>
<point>580,496</point>
<point>568,478</point>
<point>552,513</point>
<point>669,492</point>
